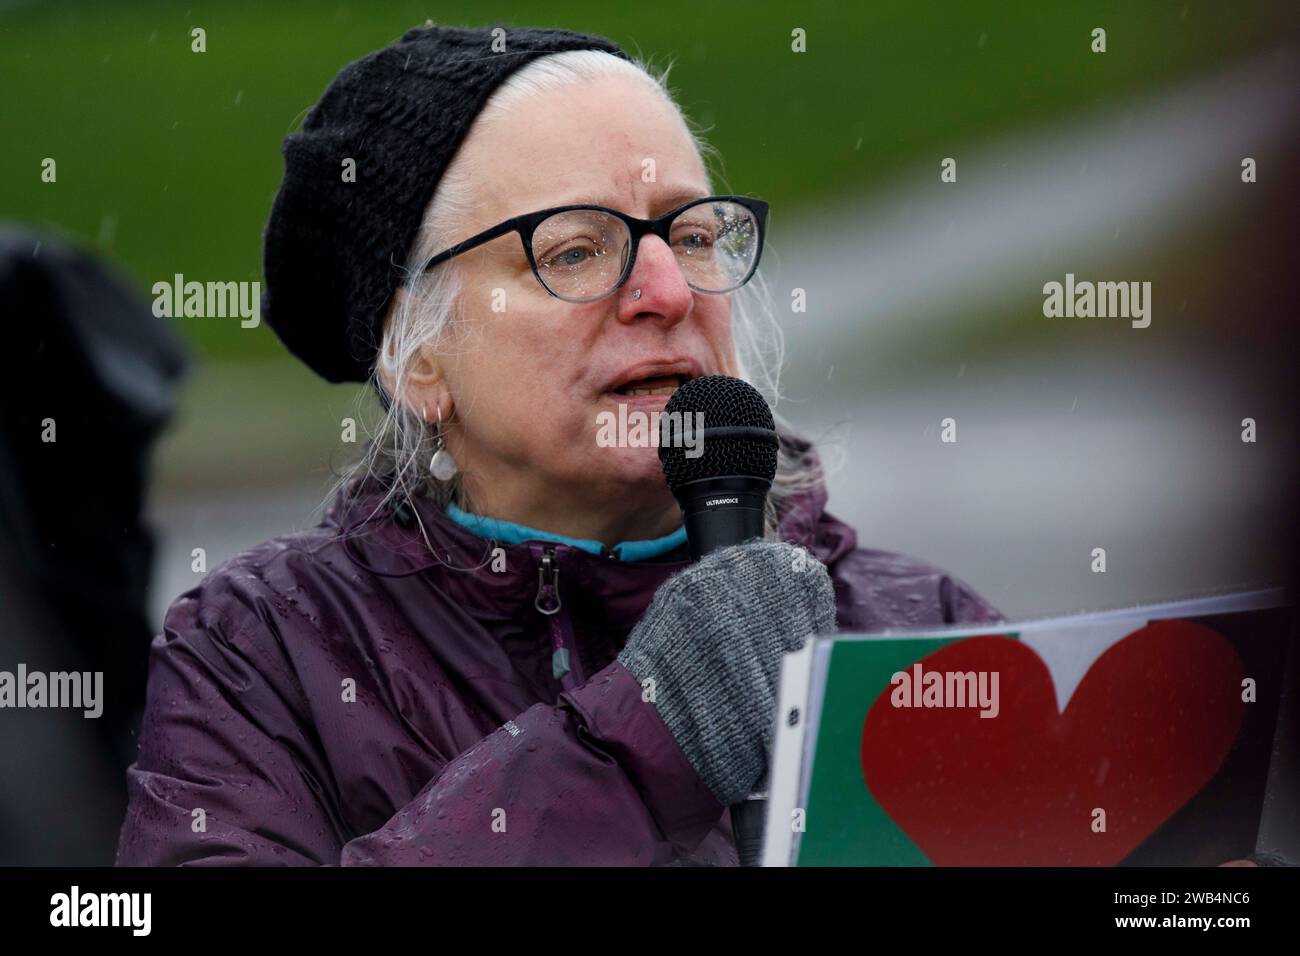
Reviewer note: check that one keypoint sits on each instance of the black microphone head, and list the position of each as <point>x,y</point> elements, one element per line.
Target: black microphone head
<point>739,435</point>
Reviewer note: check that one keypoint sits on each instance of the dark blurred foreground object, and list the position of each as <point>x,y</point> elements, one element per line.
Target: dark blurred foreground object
<point>91,368</point>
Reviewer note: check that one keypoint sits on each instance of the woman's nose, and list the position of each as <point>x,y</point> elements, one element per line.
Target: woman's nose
<point>664,294</point>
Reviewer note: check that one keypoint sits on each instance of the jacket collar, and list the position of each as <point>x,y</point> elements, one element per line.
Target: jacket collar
<point>509,532</point>
<point>498,578</point>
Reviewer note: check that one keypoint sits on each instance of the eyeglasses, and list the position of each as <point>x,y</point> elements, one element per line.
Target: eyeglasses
<point>583,253</point>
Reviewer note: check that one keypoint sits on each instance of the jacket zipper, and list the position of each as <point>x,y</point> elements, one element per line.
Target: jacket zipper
<point>564,662</point>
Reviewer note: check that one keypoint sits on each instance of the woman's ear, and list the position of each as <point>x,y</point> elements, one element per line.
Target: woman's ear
<point>425,385</point>
<point>422,379</point>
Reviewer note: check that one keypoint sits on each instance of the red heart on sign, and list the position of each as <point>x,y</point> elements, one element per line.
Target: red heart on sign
<point>1148,726</point>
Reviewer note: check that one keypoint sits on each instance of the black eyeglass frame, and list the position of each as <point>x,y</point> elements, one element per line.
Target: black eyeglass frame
<point>527,224</point>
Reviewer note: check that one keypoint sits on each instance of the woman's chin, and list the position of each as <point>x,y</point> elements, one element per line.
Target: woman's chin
<point>638,469</point>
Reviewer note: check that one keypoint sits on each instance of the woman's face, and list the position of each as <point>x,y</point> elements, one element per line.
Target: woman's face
<point>531,374</point>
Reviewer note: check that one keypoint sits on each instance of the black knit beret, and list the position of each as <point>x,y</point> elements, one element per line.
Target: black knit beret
<point>333,248</point>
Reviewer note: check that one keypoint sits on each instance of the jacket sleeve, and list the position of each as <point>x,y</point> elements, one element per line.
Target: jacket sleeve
<point>227,774</point>
<point>877,590</point>
<point>961,605</point>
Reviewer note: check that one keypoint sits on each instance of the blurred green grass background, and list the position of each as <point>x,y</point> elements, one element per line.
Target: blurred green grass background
<point>168,160</point>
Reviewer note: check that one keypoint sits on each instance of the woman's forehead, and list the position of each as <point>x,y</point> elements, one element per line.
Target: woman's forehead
<point>588,143</point>
<point>649,198</point>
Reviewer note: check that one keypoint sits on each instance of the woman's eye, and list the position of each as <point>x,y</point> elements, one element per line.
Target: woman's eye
<point>695,240</point>
<point>569,258</point>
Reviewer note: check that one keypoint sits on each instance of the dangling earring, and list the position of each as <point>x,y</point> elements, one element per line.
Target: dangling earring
<point>442,466</point>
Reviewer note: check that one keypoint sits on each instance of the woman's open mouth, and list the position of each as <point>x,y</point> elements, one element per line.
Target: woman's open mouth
<point>652,382</point>
<point>656,385</point>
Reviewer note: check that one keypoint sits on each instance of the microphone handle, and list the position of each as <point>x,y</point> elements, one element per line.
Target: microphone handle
<point>718,512</point>
<point>722,511</point>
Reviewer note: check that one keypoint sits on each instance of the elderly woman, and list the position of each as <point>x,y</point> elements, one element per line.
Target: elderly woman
<point>494,649</point>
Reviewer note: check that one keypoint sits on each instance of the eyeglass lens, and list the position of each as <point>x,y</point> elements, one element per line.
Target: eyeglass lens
<point>581,254</point>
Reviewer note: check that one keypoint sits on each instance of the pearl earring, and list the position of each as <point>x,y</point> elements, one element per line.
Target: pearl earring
<point>442,465</point>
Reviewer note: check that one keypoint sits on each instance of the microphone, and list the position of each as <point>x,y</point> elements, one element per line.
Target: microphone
<point>722,492</point>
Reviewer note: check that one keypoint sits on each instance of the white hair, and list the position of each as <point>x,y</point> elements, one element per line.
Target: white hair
<point>403,441</point>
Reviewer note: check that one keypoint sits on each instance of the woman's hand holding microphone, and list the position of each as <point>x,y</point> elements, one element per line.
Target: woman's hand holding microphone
<point>710,648</point>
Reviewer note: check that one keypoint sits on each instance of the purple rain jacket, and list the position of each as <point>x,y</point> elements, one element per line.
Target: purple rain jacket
<point>341,697</point>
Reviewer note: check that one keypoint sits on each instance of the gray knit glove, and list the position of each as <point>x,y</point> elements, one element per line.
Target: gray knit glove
<point>712,641</point>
